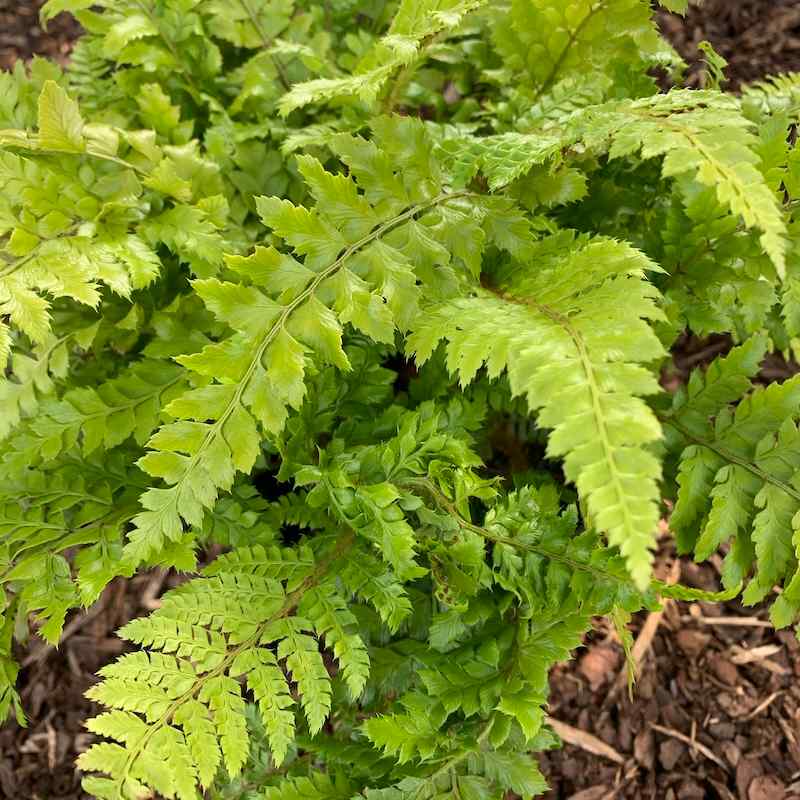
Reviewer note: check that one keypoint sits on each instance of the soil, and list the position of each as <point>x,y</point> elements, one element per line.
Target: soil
<point>716,708</point>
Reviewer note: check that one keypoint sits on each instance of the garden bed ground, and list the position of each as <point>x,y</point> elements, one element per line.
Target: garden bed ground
<point>716,710</point>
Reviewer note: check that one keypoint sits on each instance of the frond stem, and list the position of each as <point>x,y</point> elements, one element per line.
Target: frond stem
<point>282,76</point>
<point>548,82</point>
<point>727,455</point>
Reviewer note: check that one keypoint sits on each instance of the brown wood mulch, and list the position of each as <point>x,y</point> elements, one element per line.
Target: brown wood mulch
<point>716,710</point>
<point>21,35</point>
<point>757,37</point>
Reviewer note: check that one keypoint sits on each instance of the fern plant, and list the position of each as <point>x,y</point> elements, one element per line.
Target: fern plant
<point>273,276</point>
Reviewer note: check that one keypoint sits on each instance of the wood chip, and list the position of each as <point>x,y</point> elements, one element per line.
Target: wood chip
<point>762,706</point>
<point>786,728</point>
<point>592,793</point>
<point>741,655</point>
<point>694,744</point>
<point>735,622</point>
<point>586,741</point>
<point>759,656</point>
<point>766,787</point>
<point>150,596</point>
<point>723,791</point>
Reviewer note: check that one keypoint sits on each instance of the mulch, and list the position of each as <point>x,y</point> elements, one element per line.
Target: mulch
<point>22,37</point>
<point>757,37</point>
<point>38,762</point>
<point>715,711</point>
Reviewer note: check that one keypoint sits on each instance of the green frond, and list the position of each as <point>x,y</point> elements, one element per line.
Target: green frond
<point>43,518</point>
<point>469,766</point>
<point>546,41</point>
<point>239,521</point>
<point>539,556</point>
<point>267,681</point>
<point>373,582</point>
<point>69,215</point>
<point>305,664</point>
<point>335,623</point>
<point>701,134</point>
<point>737,471</point>
<point>184,690</point>
<point>689,594</point>
<point>245,23</point>
<point>379,311</point>
<point>416,23</point>
<point>57,244</point>
<point>410,734</point>
<point>317,786</point>
<point>777,94</point>
<point>704,136</point>
<point>566,336</point>
<point>288,313</point>
<point>34,375</point>
<point>10,701</point>
<point>93,418</point>
<point>516,770</point>
<point>725,381</point>
<point>280,564</point>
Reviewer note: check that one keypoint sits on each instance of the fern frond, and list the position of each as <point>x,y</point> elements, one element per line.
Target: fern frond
<point>73,229</point>
<point>545,41</point>
<point>249,313</point>
<point>411,733</point>
<point>317,786</point>
<point>737,474</point>
<point>10,701</point>
<point>33,376</point>
<point>467,762</point>
<point>335,623</point>
<point>777,94</point>
<point>90,75</point>
<point>714,144</point>
<point>701,134</point>
<point>237,621</point>
<point>577,366</point>
<point>725,381</point>
<point>55,244</point>
<point>538,556</point>
<point>415,24</point>
<point>129,405</point>
<point>245,23</point>
<point>366,243</point>
<point>42,518</point>
<point>373,582</point>
<point>290,566</point>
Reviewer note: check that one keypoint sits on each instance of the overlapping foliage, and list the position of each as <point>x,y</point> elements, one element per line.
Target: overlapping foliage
<point>375,300</point>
